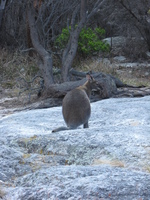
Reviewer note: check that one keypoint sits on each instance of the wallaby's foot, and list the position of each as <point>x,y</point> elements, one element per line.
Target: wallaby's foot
<point>86,125</point>
<point>62,128</point>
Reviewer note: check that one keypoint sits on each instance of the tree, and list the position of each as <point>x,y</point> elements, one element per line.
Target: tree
<point>41,45</point>
<point>140,18</point>
<point>76,27</point>
<point>46,57</point>
<point>2,7</point>
<point>47,18</point>
<point>41,23</point>
<point>71,48</point>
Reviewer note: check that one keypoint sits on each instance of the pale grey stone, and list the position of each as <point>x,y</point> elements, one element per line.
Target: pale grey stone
<point>119,58</point>
<point>109,160</point>
<point>117,41</point>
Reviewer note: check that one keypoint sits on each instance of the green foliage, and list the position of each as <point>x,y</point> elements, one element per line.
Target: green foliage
<point>89,40</point>
<point>62,39</point>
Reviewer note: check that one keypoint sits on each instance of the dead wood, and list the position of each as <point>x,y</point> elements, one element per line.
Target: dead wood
<point>106,84</point>
<point>109,85</point>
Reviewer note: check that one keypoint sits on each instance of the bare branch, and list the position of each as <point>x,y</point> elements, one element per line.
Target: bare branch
<point>83,8</point>
<point>96,7</point>
<point>74,16</point>
<point>2,4</point>
<point>2,7</point>
<point>130,11</point>
<point>26,50</point>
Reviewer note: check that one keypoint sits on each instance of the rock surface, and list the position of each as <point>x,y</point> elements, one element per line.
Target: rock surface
<point>110,160</point>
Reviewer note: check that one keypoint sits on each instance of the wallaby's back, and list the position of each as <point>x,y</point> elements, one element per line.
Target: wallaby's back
<point>76,108</point>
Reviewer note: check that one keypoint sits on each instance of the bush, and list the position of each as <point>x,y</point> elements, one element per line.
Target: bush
<point>90,41</point>
<point>62,39</point>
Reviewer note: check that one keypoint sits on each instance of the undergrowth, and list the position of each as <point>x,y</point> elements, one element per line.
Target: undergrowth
<point>14,65</point>
<point>90,41</point>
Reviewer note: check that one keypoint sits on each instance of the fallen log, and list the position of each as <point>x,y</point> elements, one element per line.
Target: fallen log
<point>108,84</point>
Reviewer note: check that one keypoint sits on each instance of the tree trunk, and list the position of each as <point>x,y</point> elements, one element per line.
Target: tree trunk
<point>66,65</point>
<point>46,58</point>
<point>71,49</point>
<point>147,35</point>
<point>2,7</point>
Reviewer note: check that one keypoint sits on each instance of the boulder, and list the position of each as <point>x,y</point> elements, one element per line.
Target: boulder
<point>117,44</point>
<point>109,160</point>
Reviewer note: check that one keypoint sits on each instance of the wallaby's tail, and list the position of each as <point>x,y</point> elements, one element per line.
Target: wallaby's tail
<point>62,128</point>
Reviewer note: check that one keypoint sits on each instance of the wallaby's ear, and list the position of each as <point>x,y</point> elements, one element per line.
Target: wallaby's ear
<point>89,77</point>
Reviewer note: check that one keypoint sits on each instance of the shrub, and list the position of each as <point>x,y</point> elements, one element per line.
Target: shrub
<point>62,39</point>
<point>90,41</point>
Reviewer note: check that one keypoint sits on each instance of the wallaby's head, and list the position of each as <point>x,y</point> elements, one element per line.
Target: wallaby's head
<point>90,84</point>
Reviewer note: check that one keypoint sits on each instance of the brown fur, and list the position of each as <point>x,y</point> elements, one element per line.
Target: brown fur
<point>76,106</point>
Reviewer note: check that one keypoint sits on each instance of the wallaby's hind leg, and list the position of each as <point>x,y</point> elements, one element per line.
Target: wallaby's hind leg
<point>86,125</point>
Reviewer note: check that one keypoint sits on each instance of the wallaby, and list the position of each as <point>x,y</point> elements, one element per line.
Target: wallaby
<point>76,106</point>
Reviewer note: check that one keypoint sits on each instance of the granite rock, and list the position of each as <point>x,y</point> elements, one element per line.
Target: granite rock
<point>109,160</point>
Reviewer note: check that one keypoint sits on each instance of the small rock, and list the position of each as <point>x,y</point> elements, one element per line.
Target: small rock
<point>148,53</point>
<point>119,58</point>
